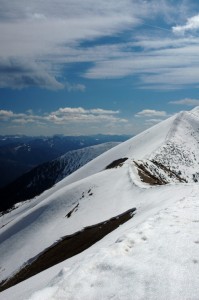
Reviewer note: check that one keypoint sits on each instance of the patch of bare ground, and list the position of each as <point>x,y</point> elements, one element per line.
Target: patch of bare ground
<point>146,176</point>
<point>67,247</point>
<point>152,172</point>
<point>116,163</point>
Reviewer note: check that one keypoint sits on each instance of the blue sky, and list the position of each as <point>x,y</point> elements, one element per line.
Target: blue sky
<point>84,67</point>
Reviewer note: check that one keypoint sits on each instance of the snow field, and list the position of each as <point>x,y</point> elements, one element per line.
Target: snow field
<point>126,252</point>
<point>152,256</point>
<point>157,260</point>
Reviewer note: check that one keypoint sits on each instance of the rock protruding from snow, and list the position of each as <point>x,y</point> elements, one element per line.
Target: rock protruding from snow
<point>179,152</point>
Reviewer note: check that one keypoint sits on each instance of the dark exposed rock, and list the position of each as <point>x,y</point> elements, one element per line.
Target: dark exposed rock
<point>116,163</point>
<point>67,247</point>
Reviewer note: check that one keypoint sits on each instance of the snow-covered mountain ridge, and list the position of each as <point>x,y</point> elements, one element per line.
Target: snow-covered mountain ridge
<point>73,160</point>
<point>46,175</point>
<point>180,151</point>
<point>159,244</point>
<point>20,154</point>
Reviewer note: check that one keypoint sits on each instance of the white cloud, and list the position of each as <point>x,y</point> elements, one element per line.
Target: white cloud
<point>39,40</point>
<point>49,34</point>
<point>70,110</point>
<point>100,111</point>
<point>22,73</point>
<point>151,113</point>
<point>79,114</point>
<point>48,37</point>
<point>186,101</point>
<point>174,78</point>
<point>30,111</point>
<point>45,31</point>
<point>81,110</point>
<point>191,24</point>
<point>5,114</point>
<point>163,63</point>
<point>23,121</point>
<point>67,115</point>
<point>84,119</point>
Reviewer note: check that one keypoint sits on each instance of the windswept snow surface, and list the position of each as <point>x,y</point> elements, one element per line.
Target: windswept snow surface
<point>181,148</point>
<point>75,159</point>
<point>155,255</point>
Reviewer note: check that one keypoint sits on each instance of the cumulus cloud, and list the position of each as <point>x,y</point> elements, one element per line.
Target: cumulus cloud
<point>70,110</point>
<point>150,117</point>
<point>100,111</point>
<point>191,24</point>
<point>5,114</point>
<point>81,110</point>
<point>23,121</point>
<point>66,115</point>
<point>79,114</point>
<point>151,113</point>
<point>186,101</point>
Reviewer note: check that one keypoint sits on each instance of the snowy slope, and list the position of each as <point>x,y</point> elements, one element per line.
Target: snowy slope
<point>157,244</point>
<point>180,150</point>
<point>139,147</point>
<point>73,160</point>
<point>153,256</point>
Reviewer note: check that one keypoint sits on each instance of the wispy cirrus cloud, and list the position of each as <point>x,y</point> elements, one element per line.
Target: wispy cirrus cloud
<point>49,36</point>
<point>163,62</point>
<point>21,73</point>
<point>151,122</point>
<point>186,101</point>
<point>71,87</point>
<point>42,33</point>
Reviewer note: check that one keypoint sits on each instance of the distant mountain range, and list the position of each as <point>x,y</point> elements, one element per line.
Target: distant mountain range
<point>46,175</point>
<point>20,154</point>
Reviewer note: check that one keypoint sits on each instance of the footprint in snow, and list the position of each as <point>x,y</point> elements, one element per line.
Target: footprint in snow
<point>195,261</point>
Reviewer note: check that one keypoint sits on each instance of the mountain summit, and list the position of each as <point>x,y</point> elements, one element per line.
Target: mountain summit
<point>149,184</point>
